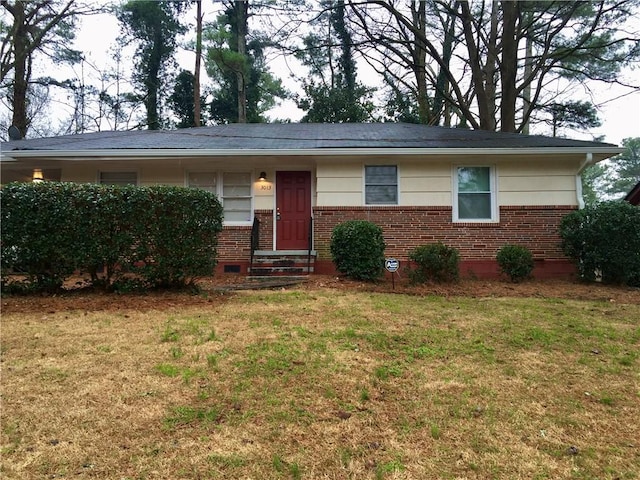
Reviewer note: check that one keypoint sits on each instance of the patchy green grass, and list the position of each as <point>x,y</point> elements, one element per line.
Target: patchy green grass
<point>325,384</point>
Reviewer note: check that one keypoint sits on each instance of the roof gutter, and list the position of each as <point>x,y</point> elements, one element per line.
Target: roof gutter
<point>600,153</point>
<point>588,161</point>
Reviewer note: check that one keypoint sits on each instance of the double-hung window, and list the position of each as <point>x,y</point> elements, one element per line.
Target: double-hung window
<point>118,178</point>
<point>381,185</point>
<point>236,197</point>
<point>203,180</point>
<point>475,195</point>
<point>232,188</point>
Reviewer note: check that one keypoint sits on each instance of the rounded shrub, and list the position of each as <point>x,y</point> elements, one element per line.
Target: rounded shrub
<point>357,249</point>
<point>604,239</point>
<point>436,262</point>
<point>516,261</point>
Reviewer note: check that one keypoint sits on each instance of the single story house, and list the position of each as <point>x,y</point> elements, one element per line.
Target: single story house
<point>284,187</point>
<point>633,197</point>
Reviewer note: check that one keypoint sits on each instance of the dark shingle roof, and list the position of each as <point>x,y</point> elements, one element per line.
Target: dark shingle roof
<point>296,136</point>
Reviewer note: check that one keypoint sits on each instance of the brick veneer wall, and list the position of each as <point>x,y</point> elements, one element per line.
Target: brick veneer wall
<point>266,228</point>
<point>234,242</point>
<point>404,228</point>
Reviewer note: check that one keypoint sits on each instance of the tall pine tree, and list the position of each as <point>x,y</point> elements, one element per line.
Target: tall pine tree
<point>245,89</point>
<point>332,93</point>
<point>155,27</point>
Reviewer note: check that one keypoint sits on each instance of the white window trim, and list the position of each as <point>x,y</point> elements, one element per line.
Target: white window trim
<point>220,188</point>
<point>493,187</point>
<point>364,185</point>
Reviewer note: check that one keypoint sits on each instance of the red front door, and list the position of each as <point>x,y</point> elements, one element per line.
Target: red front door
<point>293,210</point>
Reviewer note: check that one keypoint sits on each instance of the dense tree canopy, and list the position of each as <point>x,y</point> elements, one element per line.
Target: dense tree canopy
<point>578,115</point>
<point>44,27</point>
<point>625,173</point>
<point>503,65</point>
<point>332,93</point>
<point>154,26</point>
<point>182,99</point>
<point>245,89</point>
<point>507,53</point>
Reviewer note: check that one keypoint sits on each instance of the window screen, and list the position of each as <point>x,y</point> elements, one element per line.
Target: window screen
<point>236,197</point>
<point>381,185</point>
<point>118,178</point>
<point>203,180</point>
<point>474,193</point>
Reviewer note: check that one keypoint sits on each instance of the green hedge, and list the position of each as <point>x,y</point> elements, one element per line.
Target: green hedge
<point>39,232</point>
<point>165,236</point>
<point>180,241</point>
<point>604,240</point>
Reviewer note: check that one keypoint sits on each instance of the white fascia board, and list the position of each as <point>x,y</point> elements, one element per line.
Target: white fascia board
<point>598,152</point>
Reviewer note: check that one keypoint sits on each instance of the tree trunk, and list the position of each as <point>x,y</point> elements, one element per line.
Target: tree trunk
<point>526,92</point>
<point>242,50</point>
<point>441,108</point>
<point>152,85</point>
<point>420,61</point>
<point>480,77</point>
<point>509,66</point>
<point>21,70</point>
<point>196,80</point>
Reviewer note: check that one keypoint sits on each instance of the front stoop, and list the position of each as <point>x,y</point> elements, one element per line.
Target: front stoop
<point>290,263</point>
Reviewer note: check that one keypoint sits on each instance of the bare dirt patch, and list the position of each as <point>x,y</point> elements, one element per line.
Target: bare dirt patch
<point>215,290</point>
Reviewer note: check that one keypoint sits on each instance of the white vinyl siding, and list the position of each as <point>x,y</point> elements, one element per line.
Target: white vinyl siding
<point>544,182</point>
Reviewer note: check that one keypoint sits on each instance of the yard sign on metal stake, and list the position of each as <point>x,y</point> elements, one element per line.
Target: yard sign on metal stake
<point>392,265</point>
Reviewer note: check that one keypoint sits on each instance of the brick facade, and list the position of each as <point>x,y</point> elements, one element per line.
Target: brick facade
<point>405,228</point>
<point>234,243</point>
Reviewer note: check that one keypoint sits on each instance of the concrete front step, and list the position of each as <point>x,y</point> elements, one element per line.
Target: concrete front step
<point>258,279</point>
<point>280,271</point>
<point>282,263</point>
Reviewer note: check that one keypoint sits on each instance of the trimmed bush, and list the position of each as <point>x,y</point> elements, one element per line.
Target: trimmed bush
<point>436,262</point>
<point>604,240</point>
<point>516,261</point>
<point>357,249</point>
<point>165,235</point>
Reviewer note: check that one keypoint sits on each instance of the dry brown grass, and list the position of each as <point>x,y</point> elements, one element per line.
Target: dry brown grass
<point>324,383</point>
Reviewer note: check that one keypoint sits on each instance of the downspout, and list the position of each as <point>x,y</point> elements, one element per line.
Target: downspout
<point>588,161</point>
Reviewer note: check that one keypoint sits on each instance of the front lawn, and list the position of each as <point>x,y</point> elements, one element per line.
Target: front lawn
<point>324,383</point>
